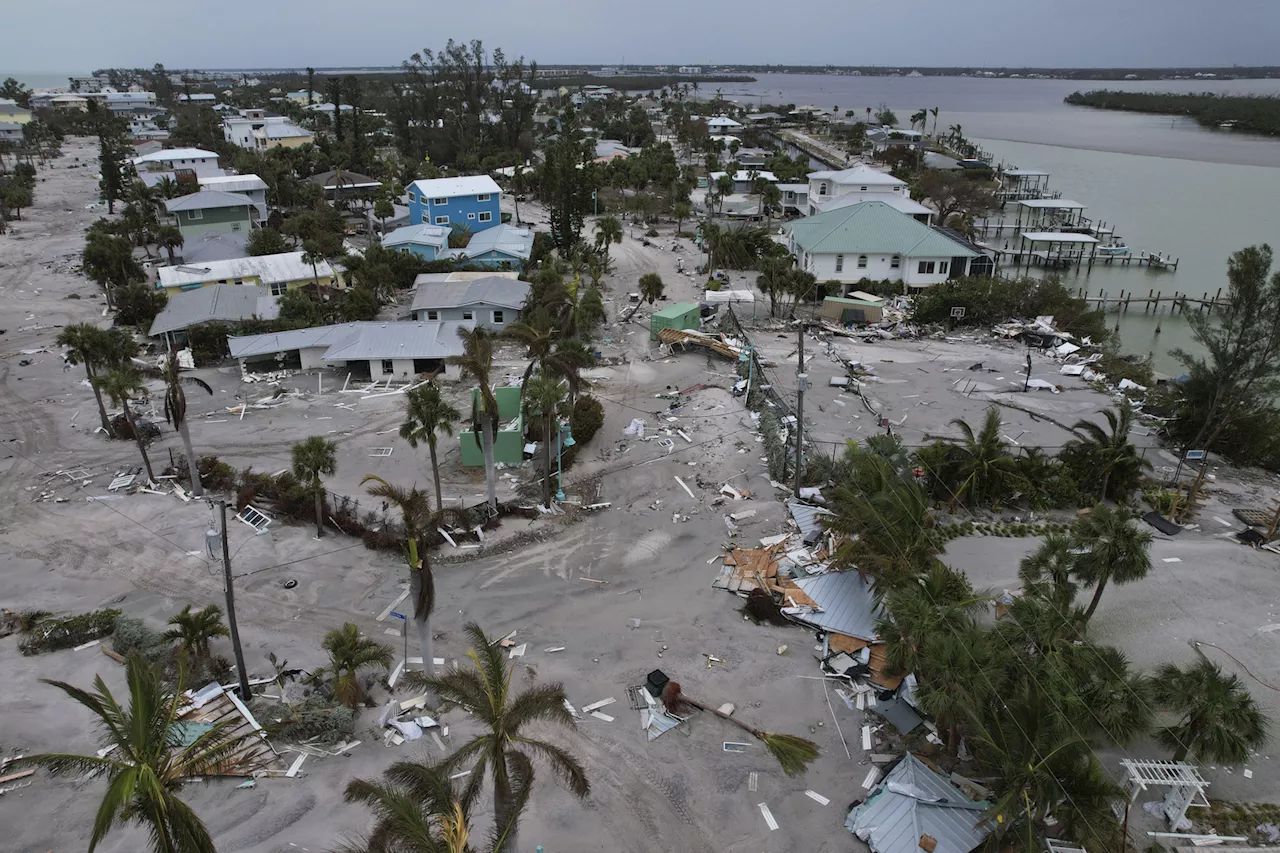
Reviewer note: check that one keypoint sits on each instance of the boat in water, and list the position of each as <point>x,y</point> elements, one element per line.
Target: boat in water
<point>1114,249</point>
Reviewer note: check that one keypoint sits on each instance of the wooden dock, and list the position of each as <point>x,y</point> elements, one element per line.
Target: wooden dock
<point>1152,302</point>
<point>1066,259</point>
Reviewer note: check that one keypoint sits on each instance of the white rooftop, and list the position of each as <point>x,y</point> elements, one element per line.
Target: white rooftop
<point>270,269</point>
<point>1057,237</point>
<point>745,175</point>
<point>450,187</point>
<point>1052,204</point>
<point>1026,173</point>
<point>234,183</point>
<point>859,174</point>
<point>166,155</point>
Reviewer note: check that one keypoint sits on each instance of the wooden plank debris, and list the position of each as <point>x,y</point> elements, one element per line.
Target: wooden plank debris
<point>764,809</point>
<point>817,798</point>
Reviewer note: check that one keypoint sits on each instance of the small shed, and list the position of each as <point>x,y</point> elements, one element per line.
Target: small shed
<point>849,311</point>
<point>508,442</point>
<point>681,315</point>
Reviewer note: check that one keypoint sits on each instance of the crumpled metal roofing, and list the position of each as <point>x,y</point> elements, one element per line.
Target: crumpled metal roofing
<point>913,801</point>
<point>846,601</point>
<point>807,518</point>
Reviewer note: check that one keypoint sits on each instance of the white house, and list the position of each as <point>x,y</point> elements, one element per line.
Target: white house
<point>723,126</point>
<point>855,184</point>
<point>203,163</point>
<point>872,240</point>
<point>398,351</point>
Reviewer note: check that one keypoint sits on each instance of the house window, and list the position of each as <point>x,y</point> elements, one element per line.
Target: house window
<point>895,262</point>
<point>235,226</point>
<point>862,189</point>
<point>486,216</point>
<point>925,267</point>
<point>278,288</point>
<point>412,197</point>
<point>442,220</point>
<point>388,366</point>
<point>426,219</point>
<point>471,216</point>
<point>862,262</point>
<point>499,318</point>
<point>433,315</point>
<point>439,201</point>
<point>468,315</point>
<point>943,267</point>
<point>822,189</point>
<point>839,263</point>
<point>482,197</point>
<point>195,214</point>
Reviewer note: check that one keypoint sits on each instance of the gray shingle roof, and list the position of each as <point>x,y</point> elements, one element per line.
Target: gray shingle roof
<point>846,602</point>
<point>219,302</point>
<point>491,290</point>
<point>873,227</point>
<point>913,801</point>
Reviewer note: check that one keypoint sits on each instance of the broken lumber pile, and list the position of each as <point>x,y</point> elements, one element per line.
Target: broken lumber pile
<point>715,343</point>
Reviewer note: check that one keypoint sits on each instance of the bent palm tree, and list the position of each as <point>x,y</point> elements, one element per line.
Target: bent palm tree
<point>1114,550</point>
<point>348,654</point>
<point>794,754</point>
<point>1114,457</point>
<point>476,361</point>
<point>418,519</point>
<point>1048,570</point>
<point>121,384</point>
<point>145,764</point>
<point>503,748</point>
<point>194,630</point>
<point>542,397</point>
<point>313,458</point>
<point>84,343</point>
<point>427,413</point>
<point>175,411</point>
<point>1217,718</point>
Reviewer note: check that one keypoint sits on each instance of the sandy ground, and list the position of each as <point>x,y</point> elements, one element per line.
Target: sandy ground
<point>681,792</point>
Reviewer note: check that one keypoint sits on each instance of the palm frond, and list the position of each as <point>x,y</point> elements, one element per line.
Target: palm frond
<point>567,768</point>
<point>794,754</point>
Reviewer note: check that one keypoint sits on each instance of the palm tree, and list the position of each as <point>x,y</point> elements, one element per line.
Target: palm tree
<point>956,132</point>
<point>1114,550</point>
<point>920,117</point>
<point>194,630</point>
<point>167,188</point>
<point>958,673</point>
<point>543,395</point>
<point>417,810</point>
<point>1050,569</point>
<point>651,288</point>
<point>314,255</point>
<point>503,749</point>
<point>383,209</point>
<point>1116,699</point>
<point>144,762</point>
<point>476,361</point>
<point>418,519</point>
<point>121,384</point>
<point>313,458</point>
<point>982,464</point>
<point>770,200</point>
<point>608,230</point>
<point>427,413</point>
<point>169,238</point>
<point>935,120</point>
<point>939,602</point>
<point>1111,453</point>
<point>1218,721</point>
<point>552,355</point>
<point>84,343</point>
<point>794,754</point>
<point>175,411</point>
<point>681,211</point>
<point>349,653</point>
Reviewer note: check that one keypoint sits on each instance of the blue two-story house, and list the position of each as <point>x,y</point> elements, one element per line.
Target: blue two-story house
<point>470,202</point>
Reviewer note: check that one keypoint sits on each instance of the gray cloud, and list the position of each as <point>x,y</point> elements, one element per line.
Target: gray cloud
<point>294,33</point>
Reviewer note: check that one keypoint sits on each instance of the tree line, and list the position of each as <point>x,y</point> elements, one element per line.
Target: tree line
<point>1253,113</point>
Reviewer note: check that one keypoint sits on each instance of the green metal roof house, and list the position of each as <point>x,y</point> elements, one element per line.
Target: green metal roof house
<point>508,443</point>
<point>681,315</point>
<point>872,240</point>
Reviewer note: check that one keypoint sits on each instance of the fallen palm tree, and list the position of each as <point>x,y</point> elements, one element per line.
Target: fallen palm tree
<point>793,753</point>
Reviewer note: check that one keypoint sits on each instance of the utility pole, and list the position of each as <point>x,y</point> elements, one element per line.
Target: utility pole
<point>801,378</point>
<point>231,606</point>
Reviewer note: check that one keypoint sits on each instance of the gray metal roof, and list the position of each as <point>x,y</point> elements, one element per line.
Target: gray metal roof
<point>321,336</point>
<point>206,199</point>
<point>846,602</point>
<point>507,239</point>
<point>400,340</point>
<point>807,518</point>
<point>913,801</point>
<point>219,302</point>
<point>490,290</point>
<point>422,234</point>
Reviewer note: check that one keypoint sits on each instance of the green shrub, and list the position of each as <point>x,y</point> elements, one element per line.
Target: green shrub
<point>50,635</point>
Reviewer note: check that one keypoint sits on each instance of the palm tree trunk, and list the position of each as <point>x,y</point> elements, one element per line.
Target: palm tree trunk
<point>1097,596</point>
<point>1105,477</point>
<point>422,623</point>
<point>102,409</point>
<point>193,464</point>
<point>490,473</point>
<point>435,469</point>
<point>546,464</point>
<point>722,715</point>
<point>319,509</point>
<point>504,813</point>
<point>137,436</point>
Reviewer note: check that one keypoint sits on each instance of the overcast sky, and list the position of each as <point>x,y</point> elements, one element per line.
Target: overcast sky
<point>71,35</point>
